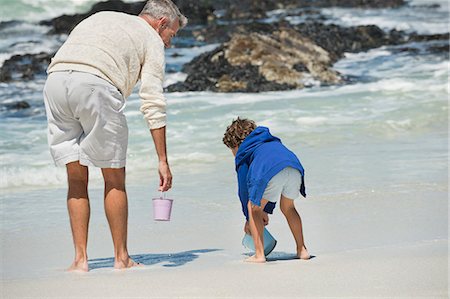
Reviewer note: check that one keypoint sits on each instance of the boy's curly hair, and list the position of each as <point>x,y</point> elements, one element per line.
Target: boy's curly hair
<point>237,131</point>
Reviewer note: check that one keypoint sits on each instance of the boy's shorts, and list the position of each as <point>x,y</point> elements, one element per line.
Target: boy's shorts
<point>86,122</point>
<point>287,183</point>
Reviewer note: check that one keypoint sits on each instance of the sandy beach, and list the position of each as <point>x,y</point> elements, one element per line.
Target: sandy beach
<point>356,253</point>
<point>417,270</point>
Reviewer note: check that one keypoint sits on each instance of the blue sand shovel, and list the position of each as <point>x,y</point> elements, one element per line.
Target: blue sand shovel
<point>269,242</point>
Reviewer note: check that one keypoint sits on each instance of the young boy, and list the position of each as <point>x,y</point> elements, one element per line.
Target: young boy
<point>267,172</point>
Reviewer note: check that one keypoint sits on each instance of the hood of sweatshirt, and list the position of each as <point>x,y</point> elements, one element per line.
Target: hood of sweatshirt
<point>259,136</point>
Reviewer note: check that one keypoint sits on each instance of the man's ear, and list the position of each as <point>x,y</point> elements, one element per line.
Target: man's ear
<point>163,23</point>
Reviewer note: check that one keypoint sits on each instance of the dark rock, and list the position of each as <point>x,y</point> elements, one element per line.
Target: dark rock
<point>24,67</point>
<point>338,40</point>
<point>300,67</point>
<point>7,24</point>
<point>424,38</point>
<point>17,105</point>
<point>430,6</point>
<point>440,49</point>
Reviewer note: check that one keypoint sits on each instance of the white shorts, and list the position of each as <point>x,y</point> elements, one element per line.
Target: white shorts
<point>287,183</point>
<point>86,122</point>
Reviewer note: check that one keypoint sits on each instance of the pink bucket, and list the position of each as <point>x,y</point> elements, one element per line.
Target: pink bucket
<point>162,207</point>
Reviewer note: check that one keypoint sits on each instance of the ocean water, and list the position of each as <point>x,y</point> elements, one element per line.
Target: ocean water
<point>397,111</point>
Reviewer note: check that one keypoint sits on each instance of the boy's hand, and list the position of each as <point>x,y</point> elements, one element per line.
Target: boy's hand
<point>265,218</point>
<point>247,228</point>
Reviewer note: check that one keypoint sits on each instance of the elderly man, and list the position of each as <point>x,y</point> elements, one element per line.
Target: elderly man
<point>89,79</point>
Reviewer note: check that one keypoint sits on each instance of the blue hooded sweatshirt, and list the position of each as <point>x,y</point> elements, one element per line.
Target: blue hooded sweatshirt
<point>260,157</point>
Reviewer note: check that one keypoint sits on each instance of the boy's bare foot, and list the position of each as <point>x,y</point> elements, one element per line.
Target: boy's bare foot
<point>79,266</point>
<point>254,259</point>
<point>303,254</point>
<point>125,264</point>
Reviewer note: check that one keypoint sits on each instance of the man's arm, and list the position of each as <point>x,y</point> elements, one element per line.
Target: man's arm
<point>165,176</point>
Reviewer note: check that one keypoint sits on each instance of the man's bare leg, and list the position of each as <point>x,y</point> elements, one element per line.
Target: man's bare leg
<point>116,209</point>
<point>295,224</point>
<point>79,212</point>
<point>257,229</point>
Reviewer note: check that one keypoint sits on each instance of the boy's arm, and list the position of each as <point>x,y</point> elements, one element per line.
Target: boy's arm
<point>242,188</point>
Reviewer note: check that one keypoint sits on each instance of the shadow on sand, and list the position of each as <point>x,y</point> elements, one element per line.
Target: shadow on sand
<point>169,259</point>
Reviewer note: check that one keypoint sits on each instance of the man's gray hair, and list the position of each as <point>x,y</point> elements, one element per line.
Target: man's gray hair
<point>164,8</point>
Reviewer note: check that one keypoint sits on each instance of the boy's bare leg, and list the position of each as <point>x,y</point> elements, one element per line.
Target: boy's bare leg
<point>79,211</point>
<point>295,224</point>
<point>256,229</point>
<point>116,209</point>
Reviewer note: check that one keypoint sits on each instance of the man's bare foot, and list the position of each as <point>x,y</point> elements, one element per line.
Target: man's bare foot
<point>79,266</point>
<point>254,259</point>
<point>303,254</point>
<point>125,264</point>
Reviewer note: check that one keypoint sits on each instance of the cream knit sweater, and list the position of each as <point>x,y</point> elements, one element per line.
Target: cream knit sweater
<point>121,49</point>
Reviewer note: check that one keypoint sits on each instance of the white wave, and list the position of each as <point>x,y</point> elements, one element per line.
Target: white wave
<point>422,19</point>
<point>195,157</point>
<point>399,125</point>
<point>311,120</point>
<point>225,99</point>
<point>4,57</point>
<point>23,177</point>
<point>184,55</point>
<point>174,78</point>
<point>369,55</point>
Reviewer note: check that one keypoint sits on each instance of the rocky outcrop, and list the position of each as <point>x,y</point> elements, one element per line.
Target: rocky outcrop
<point>279,56</point>
<point>24,67</point>
<point>260,62</point>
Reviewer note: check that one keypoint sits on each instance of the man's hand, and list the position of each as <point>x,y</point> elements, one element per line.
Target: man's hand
<point>165,177</point>
<point>265,218</point>
<point>247,228</point>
